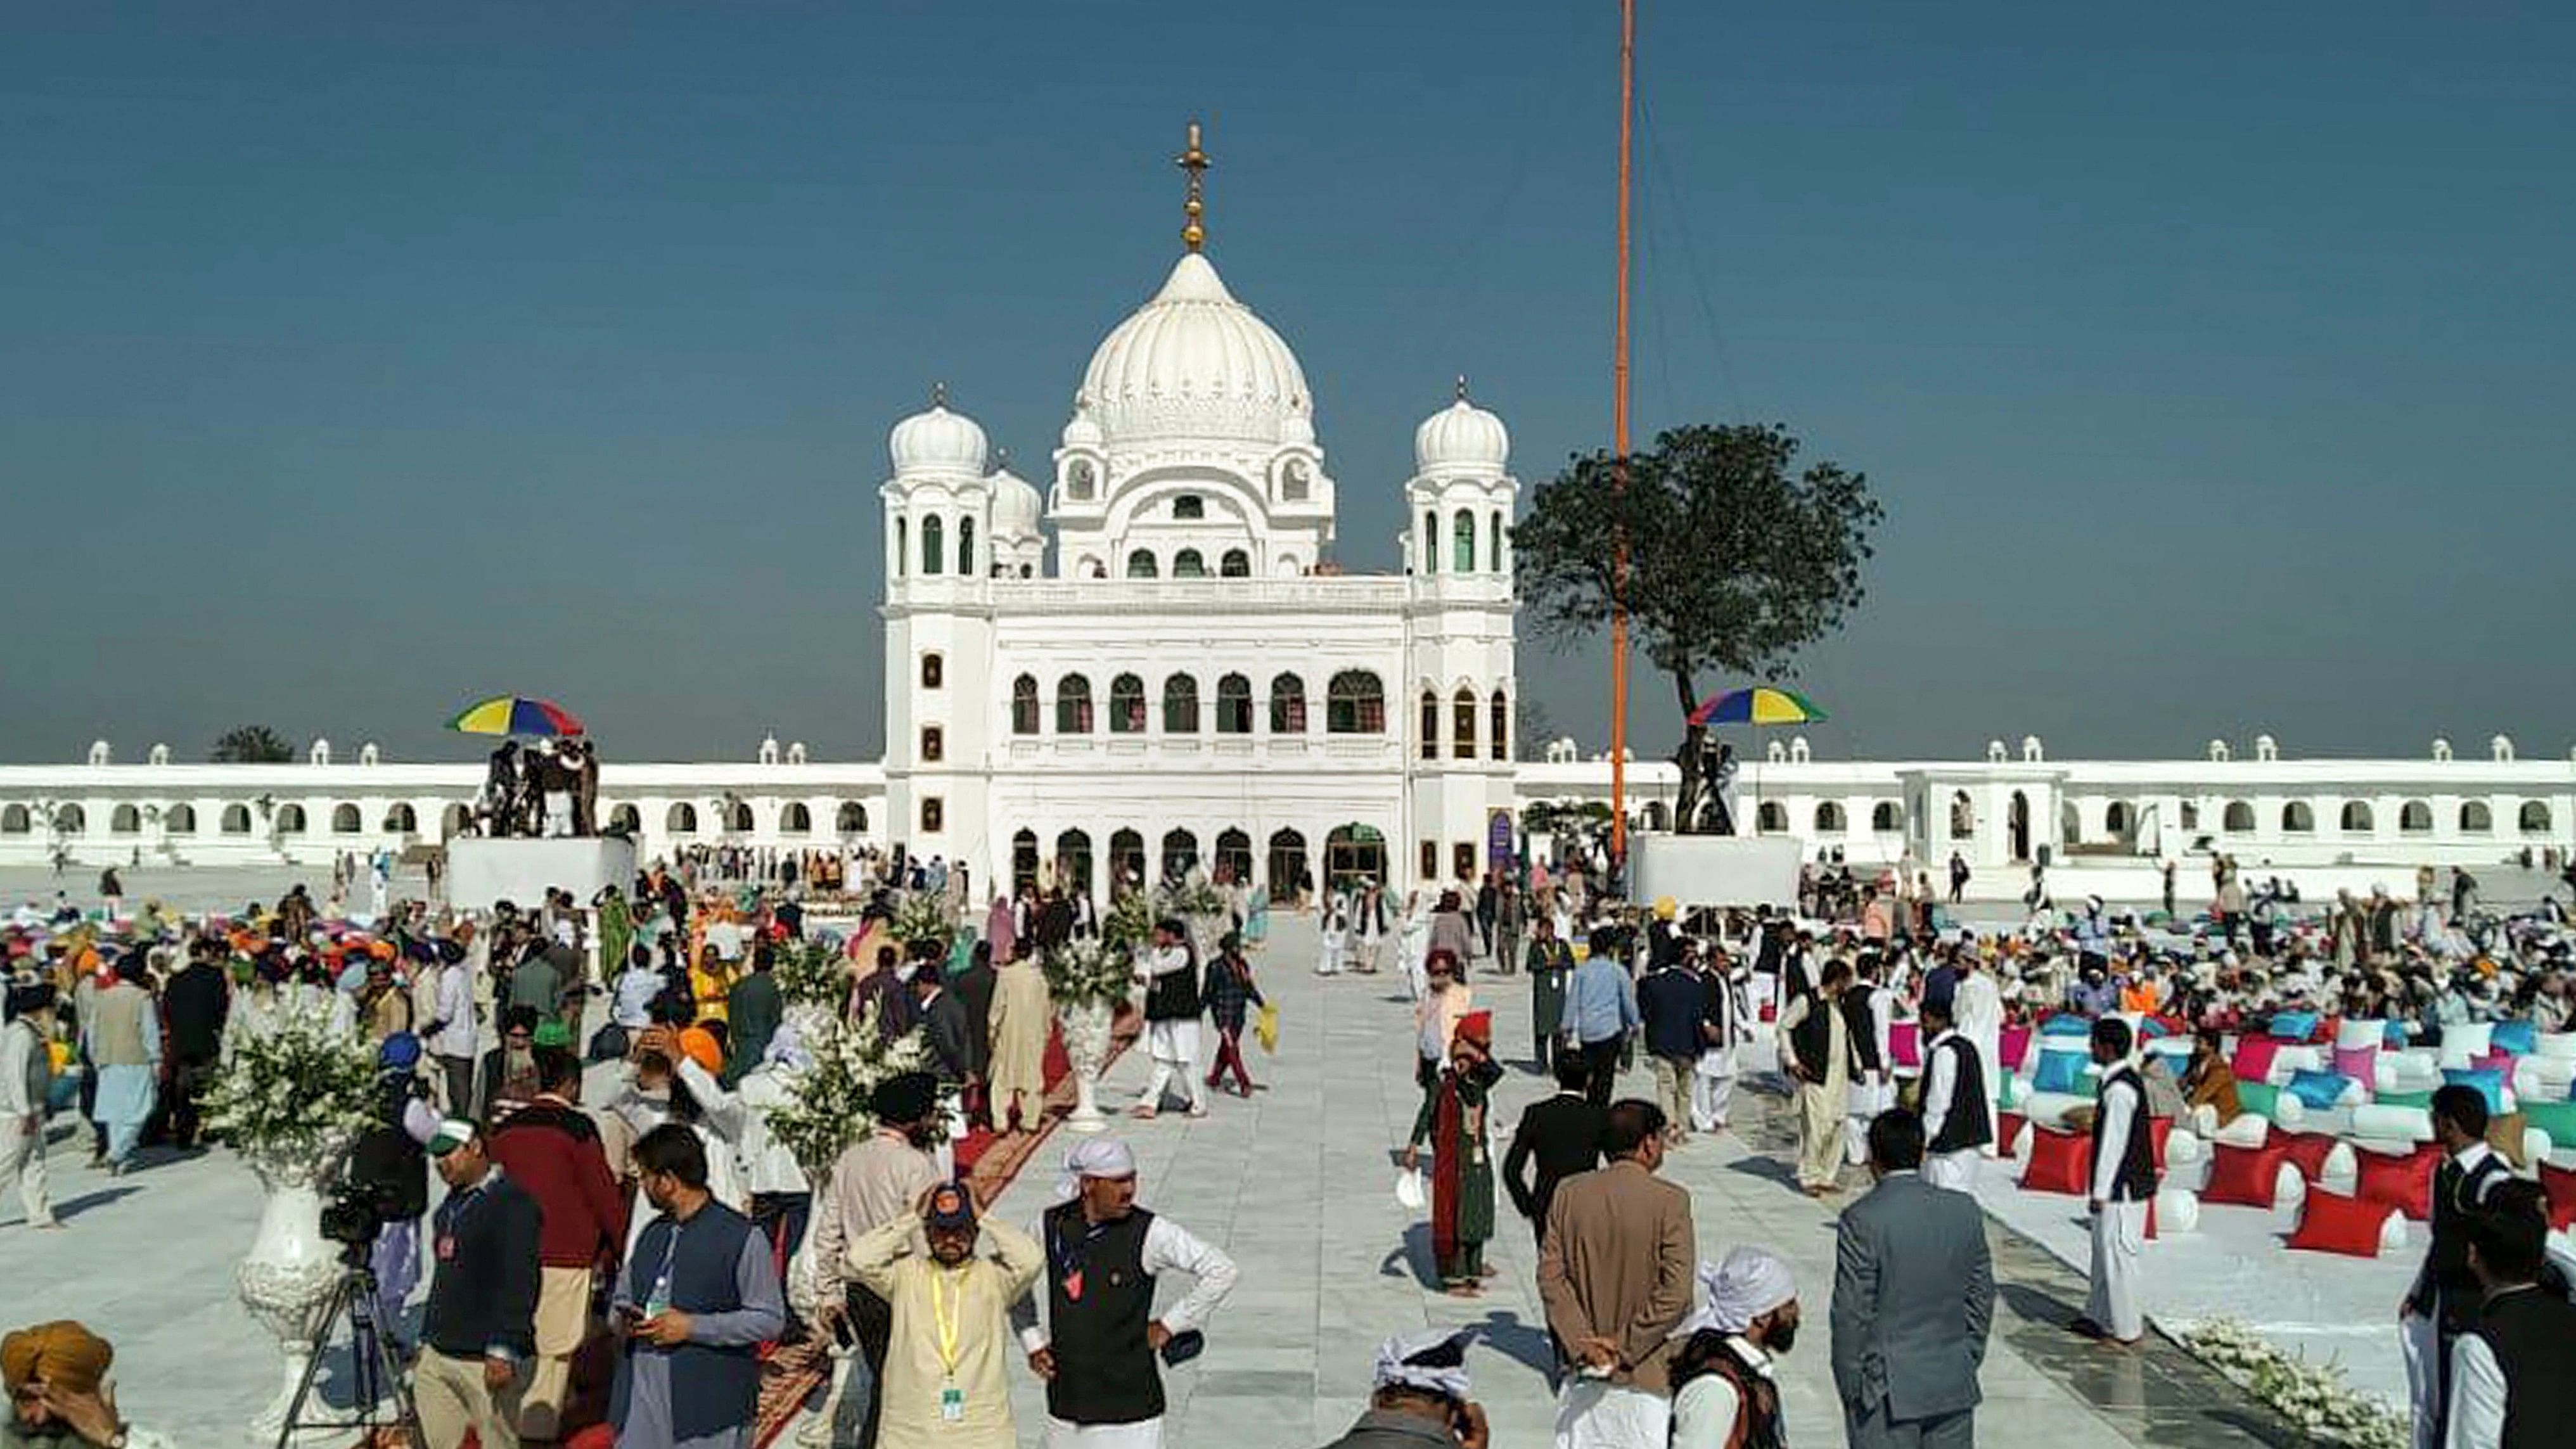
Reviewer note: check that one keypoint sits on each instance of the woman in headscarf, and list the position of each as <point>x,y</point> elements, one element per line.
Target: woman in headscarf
<point>1452,1120</point>
<point>1001,928</point>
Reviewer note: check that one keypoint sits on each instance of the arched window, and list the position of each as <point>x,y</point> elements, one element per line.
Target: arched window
<point>2476,818</point>
<point>1963,816</point>
<point>737,818</point>
<point>682,819</point>
<point>1463,537</point>
<point>934,744</point>
<point>14,820</point>
<point>1140,565</point>
<point>934,671</point>
<point>1180,705</point>
<point>1233,858</point>
<point>290,819</point>
<point>401,820</point>
<point>934,815</point>
<point>1430,725</point>
<point>1180,853</point>
<point>180,820</point>
<point>1127,705</point>
<point>1829,819</point>
<point>624,820</point>
<point>126,820</point>
<point>1235,565</point>
<point>1288,866</point>
<point>1430,543</point>
<point>1126,859</point>
<point>795,819</point>
<point>344,819</point>
<point>1772,818</point>
<point>1189,506</point>
<point>2238,819</point>
<point>1024,705</point>
<point>1494,543</point>
<point>1355,704</point>
<point>1187,564</point>
<point>1073,705</point>
<point>1234,705</point>
<point>1887,815</point>
<point>934,543</point>
<point>1024,861</point>
<point>1462,725</point>
<point>1287,705</point>
<point>2356,816</point>
<point>850,819</point>
<point>2415,818</point>
<point>2534,817</point>
<point>902,548</point>
<point>966,547</point>
<point>2297,818</point>
<point>1073,862</point>
<point>1498,728</point>
<point>2117,818</point>
<point>236,820</point>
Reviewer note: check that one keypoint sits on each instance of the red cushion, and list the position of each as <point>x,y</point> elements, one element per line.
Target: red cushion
<point>2326,1031</point>
<point>2244,1176</point>
<point>2254,1058</point>
<point>2560,1184</point>
<point>2158,1129</point>
<point>2151,1220</point>
<point>2007,1130</point>
<point>2404,1183</point>
<point>2059,1162</point>
<point>2308,1150</point>
<point>597,1436</point>
<point>2333,1223</point>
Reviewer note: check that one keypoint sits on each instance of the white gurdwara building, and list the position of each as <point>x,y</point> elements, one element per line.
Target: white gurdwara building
<point>1153,663</point>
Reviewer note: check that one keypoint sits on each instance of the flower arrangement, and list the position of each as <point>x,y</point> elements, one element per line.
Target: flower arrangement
<point>811,973</point>
<point>827,1108</point>
<point>1129,924</point>
<point>297,1093</point>
<point>1194,897</point>
<point>1088,973</point>
<point>921,916</point>
<point>2313,1397</point>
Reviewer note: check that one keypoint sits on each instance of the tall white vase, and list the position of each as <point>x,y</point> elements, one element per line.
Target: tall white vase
<point>1086,1048</point>
<point>291,1269</point>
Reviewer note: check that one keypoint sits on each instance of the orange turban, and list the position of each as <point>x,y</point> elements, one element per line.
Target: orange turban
<point>63,1354</point>
<point>699,1045</point>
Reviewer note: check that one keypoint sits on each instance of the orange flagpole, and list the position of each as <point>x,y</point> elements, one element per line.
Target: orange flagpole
<point>1619,459</point>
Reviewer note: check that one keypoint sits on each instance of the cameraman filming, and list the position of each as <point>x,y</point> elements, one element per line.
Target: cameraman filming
<point>388,1170</point>
<point>1420,1401</point>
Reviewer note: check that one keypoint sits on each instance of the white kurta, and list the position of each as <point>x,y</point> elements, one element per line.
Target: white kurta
<point>1978,1009</point>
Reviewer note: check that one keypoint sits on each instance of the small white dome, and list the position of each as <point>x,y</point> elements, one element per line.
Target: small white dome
<point>1082,430</point>
<point>1016,505</point>
<point>938,441</point>
<point>1461,435</point>
<point>1194,364</point>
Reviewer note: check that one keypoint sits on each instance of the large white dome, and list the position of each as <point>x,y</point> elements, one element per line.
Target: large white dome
<point>1195,364</point>
<point>1461,435</point>
<point>937,441</point>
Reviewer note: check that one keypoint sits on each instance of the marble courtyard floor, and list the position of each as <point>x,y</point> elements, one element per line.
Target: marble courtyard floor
<point>1296,1183</point>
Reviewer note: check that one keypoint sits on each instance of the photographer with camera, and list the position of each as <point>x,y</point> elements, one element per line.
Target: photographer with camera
<point>384,1185</point>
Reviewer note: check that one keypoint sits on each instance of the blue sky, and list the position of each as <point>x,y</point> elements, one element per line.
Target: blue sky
<point>2212,362</point>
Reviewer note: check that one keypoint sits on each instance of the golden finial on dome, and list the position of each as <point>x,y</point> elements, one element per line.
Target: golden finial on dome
<point>1195,162</point>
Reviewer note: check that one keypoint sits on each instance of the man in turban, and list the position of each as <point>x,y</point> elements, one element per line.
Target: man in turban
<point>1723,1390</point>
<point>57,1380</point>
<point>1453,1120</point>
<point>1421,1396</point>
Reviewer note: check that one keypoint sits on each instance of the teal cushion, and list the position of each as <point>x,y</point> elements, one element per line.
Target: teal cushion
<point>2318,1091</point>
<point>2260,1098</point>
<point>2488,1080</point>
<point>2401,1099</point>
<point>2295,1025</point>
<point>2558,1119</point>
<point>2515,1038</point>
<point>2059,1072</point>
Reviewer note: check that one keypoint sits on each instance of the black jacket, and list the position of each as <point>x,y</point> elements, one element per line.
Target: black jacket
<point>484,1242</point>
<point>973,988</point>
<point>945,1030</point>
<point>1563,1135</point>
<point>197,1000</point>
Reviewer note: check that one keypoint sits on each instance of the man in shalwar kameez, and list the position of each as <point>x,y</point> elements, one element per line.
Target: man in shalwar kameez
<point>1452,1119</point>
<point>1021,1015</point>
<point>1816,1038</point>
<point>121,1033</point>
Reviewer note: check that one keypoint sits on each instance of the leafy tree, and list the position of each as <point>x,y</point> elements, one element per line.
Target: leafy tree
<point>1735,562</point>
<point>252,745</point>
<point>1532,726</point>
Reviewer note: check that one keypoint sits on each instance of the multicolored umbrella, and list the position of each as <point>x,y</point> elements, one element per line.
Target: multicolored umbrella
<point>511,714</point>
<point>1759,705</point>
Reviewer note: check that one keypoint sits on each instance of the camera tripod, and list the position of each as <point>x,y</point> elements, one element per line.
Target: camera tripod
<point>383,1392</point>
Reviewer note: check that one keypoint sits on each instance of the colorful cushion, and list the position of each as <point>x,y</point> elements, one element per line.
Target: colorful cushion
<point>2159,1136</point>
<point>2015,1046</point>
<point>2356,1227</point>
<point>2318,1091</point>
<point>2488,1080</point>
<point>2248,1176</point>
<point>2468,1038</point>
<point>2259,1098</point>
<point>2254,1056</point>
<point>2308,1151</point>
<point>2295,1025</point>
<point>2359,1063</point>
<point>2008,1127</point>
<point>2404,1099</point>
<point>2396,1038</point>
<point>2558,1119</point>
<point>2516,1038</point>
<point>2059,1162</point>
<point>2404,1183</point>
<point>2059,1072</point>
<point>1905,1043</point>
<point>2066,1023</point>
<point>2560,1184</point>
<point>2493,1062</point>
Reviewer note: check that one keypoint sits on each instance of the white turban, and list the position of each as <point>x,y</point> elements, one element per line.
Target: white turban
<point>1750,1283</point>
<point>1434,1362</point>
<point>1099,1157</point>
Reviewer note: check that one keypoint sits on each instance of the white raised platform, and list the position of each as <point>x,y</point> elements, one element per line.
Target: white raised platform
<point>1718,870</point>
<point>481,873</point>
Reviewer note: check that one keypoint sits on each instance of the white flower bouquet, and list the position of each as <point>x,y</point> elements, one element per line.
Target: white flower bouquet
<point>2314,1397</point>
<point>827,1109</point>
<point>296,1093</point>
<point>1129,924</point>
<point>922,916</point>
<point>811,973</point>
<point>1088,973</point>
<point>1194,898</point>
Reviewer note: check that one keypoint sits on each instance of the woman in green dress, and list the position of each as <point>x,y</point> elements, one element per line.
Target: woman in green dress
<point>1452,1119</point>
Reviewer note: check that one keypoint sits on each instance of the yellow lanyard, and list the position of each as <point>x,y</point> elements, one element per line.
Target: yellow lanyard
<point>946,1313</point>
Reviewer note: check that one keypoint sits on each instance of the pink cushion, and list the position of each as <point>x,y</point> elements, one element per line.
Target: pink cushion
<point>2358,1064</point>
<point>1905,1043</point>
<point>2016,1047</point>
<point>2254,1058</point>
<point>2493,1062</point>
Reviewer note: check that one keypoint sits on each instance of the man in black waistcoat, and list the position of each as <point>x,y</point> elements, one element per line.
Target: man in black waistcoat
<point>1169,971</point>
<point>1956,1116</point>
<point>2513,1376</point>
<point>697,1297</point>
<point>1097,1348</point>
<point>2123,1188</point>
<point>2442,1303</point>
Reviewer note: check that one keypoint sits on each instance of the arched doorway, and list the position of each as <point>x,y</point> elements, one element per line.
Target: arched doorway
<point>2018,825</point>
<point>1233,858</point>
<point>1073,862</point>
<point>1180,854</point>
<point>1289,872</point>
<point>1024,861</point>
<point>1354,855</point>
<point>1126,861</point>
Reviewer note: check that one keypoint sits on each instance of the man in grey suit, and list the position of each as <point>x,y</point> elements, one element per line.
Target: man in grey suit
<point>1914,1293</point>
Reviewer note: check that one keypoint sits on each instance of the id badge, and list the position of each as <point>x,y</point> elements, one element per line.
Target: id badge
<point>952,1404</point>
<point>445,1247</point>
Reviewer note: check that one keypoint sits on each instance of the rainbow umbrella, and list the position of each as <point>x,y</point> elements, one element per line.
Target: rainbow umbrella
<point>1759,705</point>
<point>511,714</point>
